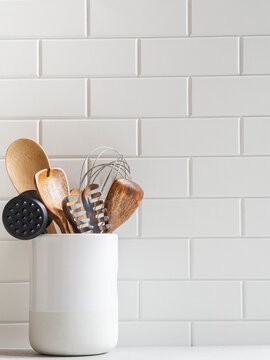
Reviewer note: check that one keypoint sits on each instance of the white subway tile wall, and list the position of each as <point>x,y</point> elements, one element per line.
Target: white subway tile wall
<point>182,88</point>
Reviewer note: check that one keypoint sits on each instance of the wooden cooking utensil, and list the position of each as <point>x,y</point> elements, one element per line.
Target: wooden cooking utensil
<point>24,158</point>
<point>122,200</point>
<point>74,211</point>
<point>52,187</point>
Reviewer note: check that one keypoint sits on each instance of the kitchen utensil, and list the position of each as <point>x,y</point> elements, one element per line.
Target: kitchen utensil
<point>52,187</point>
<point>24,158</point>
<point>34,195</point>
<point>122,200</point>
<point>25,217</point>
<point>103,172</point>
<point>94,208</point>
<point>74,210</point>
<point>99,178</point>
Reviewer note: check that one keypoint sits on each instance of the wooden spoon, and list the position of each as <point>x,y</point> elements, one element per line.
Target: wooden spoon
<point>24,158</point>
<point>122,200</point>
<point>52,187</point>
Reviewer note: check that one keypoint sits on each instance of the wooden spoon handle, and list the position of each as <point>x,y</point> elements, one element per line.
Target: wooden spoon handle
<point>51,228</point>
<point>64,226</point>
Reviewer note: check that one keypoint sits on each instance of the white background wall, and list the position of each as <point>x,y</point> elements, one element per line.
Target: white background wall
<point>182,88</point>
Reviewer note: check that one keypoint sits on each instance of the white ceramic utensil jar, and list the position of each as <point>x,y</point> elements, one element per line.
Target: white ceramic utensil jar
<point>73,300</point>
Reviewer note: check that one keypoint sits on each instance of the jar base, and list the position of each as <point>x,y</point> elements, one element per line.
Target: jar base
<point>73,333</point>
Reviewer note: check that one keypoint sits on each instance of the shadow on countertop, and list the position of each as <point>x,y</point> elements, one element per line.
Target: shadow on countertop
<point>29,354</point>
<point>20,353</point>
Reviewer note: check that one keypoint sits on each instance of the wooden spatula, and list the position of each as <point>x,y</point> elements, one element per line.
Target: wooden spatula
<point>122,200</point>
<point>52,187</point>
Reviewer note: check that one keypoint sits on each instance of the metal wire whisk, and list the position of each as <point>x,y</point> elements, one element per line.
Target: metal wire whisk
<point>94,192</point>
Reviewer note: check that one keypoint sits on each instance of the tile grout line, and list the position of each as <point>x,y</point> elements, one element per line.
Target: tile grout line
<point>189,259</point>
<point>239,321</point>
<point>165,280</point>
<point>139,137</point>
<point>132,37</point>
<point>190,333</point>
<point>189,96</point>
<point>188,17</point>
<point>240,136</point>
<point>240,55</point>
<point>23,322</point>
<point>124,118</point>
<point>86,19</point>
<point>115,76</point>
<point>138,299</point>
<point>189,178</point>
<point>242,217</point>
<point>39,54</point>
<point>138,57</point>
<point>68,157</point>
<point>87,98</point>
<point>242,309</point>
<point>40,137</point>
<point>180,199</point>
<point>38,132</point>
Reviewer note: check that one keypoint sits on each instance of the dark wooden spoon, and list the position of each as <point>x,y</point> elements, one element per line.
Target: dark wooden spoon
<point>122,200</point>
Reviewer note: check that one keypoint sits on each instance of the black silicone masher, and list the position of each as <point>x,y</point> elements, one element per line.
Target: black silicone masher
<point>25,217</point>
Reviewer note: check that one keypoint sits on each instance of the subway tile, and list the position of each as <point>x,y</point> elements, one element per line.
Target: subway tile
<point>212,56</point>
<point>257,299</point>
<point>231,333</point>
<point>41,18</point>
<point>14,302</point>
<point>42,98</point>
<point>193,300</point>
<point>11,51</point>
<point>14,336</point>
<point>88,57</point>
<point>256,215</point>
<point>230,258</point>
<point>231,177</point>
<point>130,228</point>
<point>256,55</point>
<point>196,217</point>
<point>4,235</point>
<point>149,254</point>
<point>128,300</point>
<point>227,96</point>
<point>230,17</point>
<point>11,130</point>
<point>7,190</point>
<point>14,260</point>
<point>165,177</point>
<point>120,134</point>
<point>141,18</point>
<point>72,168</point>
<point>153,334</point>
<point>138,97</point>
<point>256,133</point>
<point>188,137</point>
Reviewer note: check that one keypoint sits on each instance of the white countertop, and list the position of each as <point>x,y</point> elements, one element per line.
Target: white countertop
<point>160,353</point>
